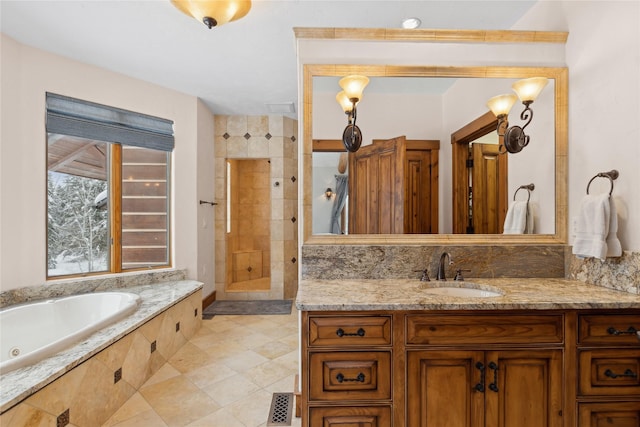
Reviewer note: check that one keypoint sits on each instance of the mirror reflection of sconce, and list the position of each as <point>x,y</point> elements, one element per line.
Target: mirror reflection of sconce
<point>328,193</point>
<point>352,87</point>
<point>527,90</point>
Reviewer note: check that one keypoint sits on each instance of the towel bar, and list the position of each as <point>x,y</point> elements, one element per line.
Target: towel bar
<point>528,187</point>
<point>612,175</point>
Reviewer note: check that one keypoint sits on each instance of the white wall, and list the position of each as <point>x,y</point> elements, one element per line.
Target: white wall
<point>380,116</point>
<point>28,73</point>
<point>603,57</point>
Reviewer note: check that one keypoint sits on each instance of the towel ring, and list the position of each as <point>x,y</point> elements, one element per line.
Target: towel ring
<point>612,175</point>
<point>528,187</point>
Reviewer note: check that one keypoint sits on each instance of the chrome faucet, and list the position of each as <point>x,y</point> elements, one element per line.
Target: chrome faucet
<point>441,267</point>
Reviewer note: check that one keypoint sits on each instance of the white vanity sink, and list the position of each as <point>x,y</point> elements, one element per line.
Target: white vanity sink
<point>464,289</point>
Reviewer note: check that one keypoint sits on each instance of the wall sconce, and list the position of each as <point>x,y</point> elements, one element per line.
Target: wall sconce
<point>214,13</point>
<point>328,193</point>
<point>352,87</point>
<point>527,90</point>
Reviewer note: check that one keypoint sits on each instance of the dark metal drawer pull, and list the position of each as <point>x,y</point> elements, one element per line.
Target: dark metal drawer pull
<point>630,331</point>
<point>628,373</point>
<point>341,333</point>
<point>480,386</point>
<point>494,385</point>
<point>358,379</point>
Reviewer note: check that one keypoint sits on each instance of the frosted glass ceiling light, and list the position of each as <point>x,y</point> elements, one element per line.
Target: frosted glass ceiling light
<point>352,86</point>
<point>527,90</point>
<point>214,13</point>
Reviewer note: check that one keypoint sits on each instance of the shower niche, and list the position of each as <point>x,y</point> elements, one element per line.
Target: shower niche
<point>248,231</point>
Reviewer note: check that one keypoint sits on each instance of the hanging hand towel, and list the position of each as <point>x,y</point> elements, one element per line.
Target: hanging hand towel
<point>614,249</point>
<point>519,219</point>
<point>593,227</point>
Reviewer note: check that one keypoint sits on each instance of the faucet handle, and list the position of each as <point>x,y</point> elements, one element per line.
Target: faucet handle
<point>458,275</point>
<point>425,275</point>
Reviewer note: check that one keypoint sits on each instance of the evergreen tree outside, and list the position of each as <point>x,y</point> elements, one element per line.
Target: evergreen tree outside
<point>77,231</point>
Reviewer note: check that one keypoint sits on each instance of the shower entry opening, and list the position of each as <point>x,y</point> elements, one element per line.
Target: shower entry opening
<point>248,225</point>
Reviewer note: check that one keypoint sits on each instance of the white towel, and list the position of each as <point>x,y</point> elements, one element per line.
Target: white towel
<point>614,248</point>
<point>593,227</point>
<point>519,219</point>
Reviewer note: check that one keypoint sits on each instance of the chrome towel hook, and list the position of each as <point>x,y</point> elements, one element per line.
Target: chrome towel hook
<point>612,175</point>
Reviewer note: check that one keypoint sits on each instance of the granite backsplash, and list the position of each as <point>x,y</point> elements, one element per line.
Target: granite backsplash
<point>404,262</point>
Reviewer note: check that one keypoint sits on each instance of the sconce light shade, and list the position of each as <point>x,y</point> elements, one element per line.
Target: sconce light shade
<point>328,193</point>
<point>529,89</point>
<point>344,102</point>
<point>501,105</point>
<point>353,86</point>
<point>214,13</point>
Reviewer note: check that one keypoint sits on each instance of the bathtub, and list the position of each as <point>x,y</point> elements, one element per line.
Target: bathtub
<point>32,332</point>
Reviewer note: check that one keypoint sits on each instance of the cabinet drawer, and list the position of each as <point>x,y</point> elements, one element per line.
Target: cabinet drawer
<point>349,331</point>
<point>609,329</point>
<point>341,416</point>
<point>609,414</point>
<point>350,375</point>
<point>609,372</point>
<point>484,329</point>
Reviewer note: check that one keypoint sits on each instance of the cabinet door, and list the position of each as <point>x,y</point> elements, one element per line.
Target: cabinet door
<point>524,388</point>
<point>445,388</point>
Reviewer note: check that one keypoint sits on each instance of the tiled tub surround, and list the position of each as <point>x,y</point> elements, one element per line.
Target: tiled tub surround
<point>386,262</point>
<point>88,382</point>
<point>407,294</point>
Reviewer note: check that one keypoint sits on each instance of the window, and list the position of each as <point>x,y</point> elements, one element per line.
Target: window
<point>108,188</point>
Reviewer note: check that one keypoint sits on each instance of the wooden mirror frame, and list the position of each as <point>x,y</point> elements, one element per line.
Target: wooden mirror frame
<point>559,74</point>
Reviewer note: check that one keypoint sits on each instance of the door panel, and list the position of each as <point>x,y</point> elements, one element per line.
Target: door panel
<point>524,388</point>
<point>439,393</point>
<point>376,188</point>
<point>489,189</point>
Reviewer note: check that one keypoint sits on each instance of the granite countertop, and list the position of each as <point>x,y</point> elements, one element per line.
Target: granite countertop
<point>409,294</point>
<point>18,384</point>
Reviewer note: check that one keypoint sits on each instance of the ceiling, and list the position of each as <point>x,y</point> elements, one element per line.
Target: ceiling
<point>239,68</point>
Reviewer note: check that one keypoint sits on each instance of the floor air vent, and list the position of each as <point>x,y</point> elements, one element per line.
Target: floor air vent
<point>281,409</point>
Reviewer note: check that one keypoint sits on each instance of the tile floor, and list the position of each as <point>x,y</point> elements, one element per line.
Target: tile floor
<point>224,376</point>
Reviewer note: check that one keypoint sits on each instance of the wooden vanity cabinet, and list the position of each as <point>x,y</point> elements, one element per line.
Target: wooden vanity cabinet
<point>492,388</point>
<point>347,370</point>
<point>479,370</point>
<point>608,349</point>
<point>530,368</point>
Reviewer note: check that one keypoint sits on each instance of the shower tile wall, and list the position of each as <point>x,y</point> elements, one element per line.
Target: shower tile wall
<point>261,137</point>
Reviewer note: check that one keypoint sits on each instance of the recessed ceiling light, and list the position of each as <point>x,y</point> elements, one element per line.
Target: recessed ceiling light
<point>411,23</point>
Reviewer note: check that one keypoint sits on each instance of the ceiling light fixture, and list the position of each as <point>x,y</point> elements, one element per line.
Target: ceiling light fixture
<point>214,13</point>
<point>352,87</point>
<point>411,23</point>
<point>527,90</point>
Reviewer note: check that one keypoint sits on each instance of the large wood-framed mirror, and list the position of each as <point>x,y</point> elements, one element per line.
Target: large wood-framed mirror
<point>556,233</point>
